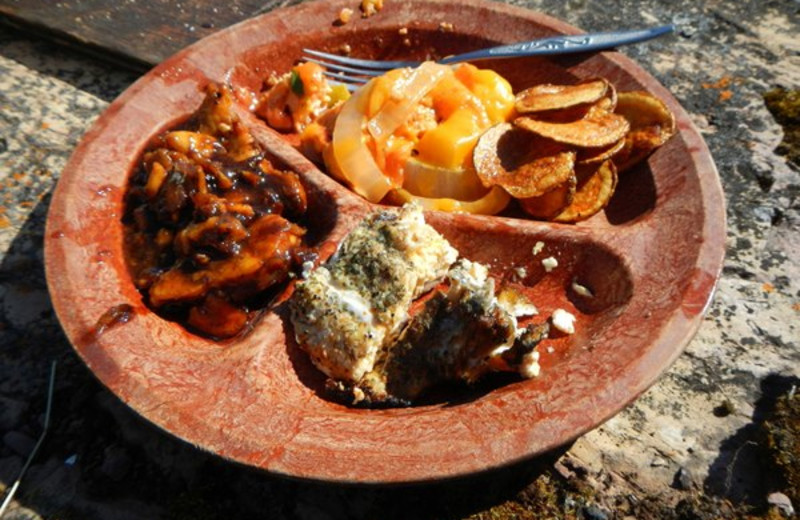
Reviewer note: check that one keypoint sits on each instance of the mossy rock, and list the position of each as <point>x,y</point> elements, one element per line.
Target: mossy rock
<point>785,108</point>
<point>782,432</point>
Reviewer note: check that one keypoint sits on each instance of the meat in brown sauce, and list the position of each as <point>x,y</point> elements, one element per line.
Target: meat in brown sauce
<point>211,223</point>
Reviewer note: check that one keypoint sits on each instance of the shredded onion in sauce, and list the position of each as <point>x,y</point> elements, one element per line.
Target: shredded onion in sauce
<point>493,202</point>
<point>405,95</point>
<point>352,159</point>
<point>427,180</point>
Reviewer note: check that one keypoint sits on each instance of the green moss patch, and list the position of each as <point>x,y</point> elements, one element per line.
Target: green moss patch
<point>782,435</point>
<point>785,108</point>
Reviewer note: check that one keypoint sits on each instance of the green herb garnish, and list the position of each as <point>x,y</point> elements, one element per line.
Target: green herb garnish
<point>296,83</point>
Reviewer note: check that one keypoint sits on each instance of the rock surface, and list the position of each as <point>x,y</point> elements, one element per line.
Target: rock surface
<point>726,56</point>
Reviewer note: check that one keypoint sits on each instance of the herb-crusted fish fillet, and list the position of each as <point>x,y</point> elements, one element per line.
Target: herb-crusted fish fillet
<point>347,311</point>
<point>351,315</point>
<point>461,333</point>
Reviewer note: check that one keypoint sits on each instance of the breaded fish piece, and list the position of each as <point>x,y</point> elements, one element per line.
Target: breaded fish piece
<point>450,339</point>
<point>461,333</point>
<point>348,310</point>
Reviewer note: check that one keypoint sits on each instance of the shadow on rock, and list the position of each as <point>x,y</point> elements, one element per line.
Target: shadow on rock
<point>81,440</point>
<point>225,487</point>
<point>742,472</point>
<point>29,331</point>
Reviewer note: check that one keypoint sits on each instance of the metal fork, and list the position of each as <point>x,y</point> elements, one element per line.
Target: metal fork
<point>354,72</point>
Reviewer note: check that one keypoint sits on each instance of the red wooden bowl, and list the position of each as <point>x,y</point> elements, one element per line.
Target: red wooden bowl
<point>652,256</point>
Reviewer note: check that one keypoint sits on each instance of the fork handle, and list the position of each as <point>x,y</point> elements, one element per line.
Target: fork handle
<point>563,44</point>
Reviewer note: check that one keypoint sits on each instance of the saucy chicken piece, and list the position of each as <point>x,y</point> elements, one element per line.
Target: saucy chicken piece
<point>262,259</point>
<point>210,221</point>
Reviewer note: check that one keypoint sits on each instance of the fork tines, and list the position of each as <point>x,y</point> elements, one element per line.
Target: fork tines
<point>352,72</point>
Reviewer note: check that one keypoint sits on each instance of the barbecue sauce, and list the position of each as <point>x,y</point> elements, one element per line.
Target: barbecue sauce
<point>211,223</point>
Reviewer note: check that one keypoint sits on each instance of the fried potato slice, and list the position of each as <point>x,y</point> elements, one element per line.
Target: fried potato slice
<point>609,101</point>
<point>523,164</point>
<point>644,110</point>
<point>552,97</point>
<point>594,190</point>
<point>598,128</point>
<point>600,154</point>
<point>605,103</point>
<point>564,115</point>
<point>552,203</point>
<point>652,124</point>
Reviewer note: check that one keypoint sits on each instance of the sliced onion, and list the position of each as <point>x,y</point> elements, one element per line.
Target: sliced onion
<point>492,203</point>
<point>405,94</point>
<point>351,159</point>
<point>426,180</point>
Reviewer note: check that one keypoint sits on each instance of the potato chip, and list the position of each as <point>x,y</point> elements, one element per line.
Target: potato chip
<point>551,97</point>
<point>652,124</point>
<point>593,192</point>
<point>552,203</point>
<point>524,164</point>
<point>598,128</point>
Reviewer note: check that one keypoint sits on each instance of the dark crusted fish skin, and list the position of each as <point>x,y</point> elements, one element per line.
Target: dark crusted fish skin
<point>361,396</point>
<point>419,361</point>
<point>449,341</point>
<point>526,343</point>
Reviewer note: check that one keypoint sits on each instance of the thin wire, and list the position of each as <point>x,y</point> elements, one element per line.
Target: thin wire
<point>15,486</point>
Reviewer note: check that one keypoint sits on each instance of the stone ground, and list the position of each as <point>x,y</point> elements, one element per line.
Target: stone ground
<point>695,432</point>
